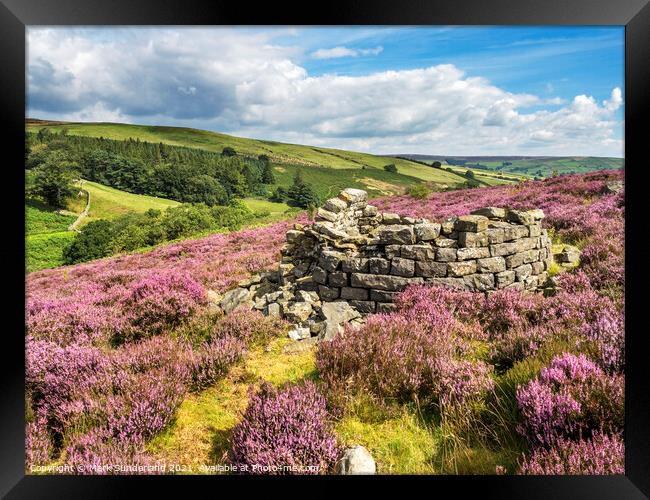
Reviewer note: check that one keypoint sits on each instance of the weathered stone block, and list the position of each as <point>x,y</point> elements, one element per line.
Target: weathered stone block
<point>495,235</point>
<point>516,260</point>
<point>518,285</point>
<point>327,215</point>
<point>456,283</point>
<point>382,282</point>
<point>538,267</point>
<point>393,251</point>
<point>520,217</point>
<point>430,269</point>
<point>531,282</point>
<point>445,242</point>
<point>382,296</point>
<point>364,306</point>
<point>396,235</point>
<point>355,265</point>
<point>534,230</point>
<point>537,214</point>
<point>330,260</point>
<point>501,249</point>
<point>427,232</point>
<point>350,293</point>
<point>370,211</point>
<point>524,244</point>
<point>351,195</point>
<point>388,218</point>
<point>405,219</point>
<point>335,205</point>
<point>445,254</point>
<point>505,278</point>
<point>294,236</point>
<point>319,275</point>
<point>522,272</point>
<point>473,240</point>
<point>491,212</point>
<point>457,269</point>
<point>273,309</point>
<point>471,223</point>
<point>568,255</point>
<point>491,265</point>
<point>298,312</point>
<point>479,282</point>
<point>385,307</point>
<point>531,256</point>
<point>378,266</point>
<point>418,252</point>
<point>402,267</point>
<point>328,293</point>
<point>338,279</point>
<point>473,253</point>
<point>447,227</point>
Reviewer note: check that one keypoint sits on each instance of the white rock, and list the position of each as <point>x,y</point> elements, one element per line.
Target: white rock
<point>356,460</point>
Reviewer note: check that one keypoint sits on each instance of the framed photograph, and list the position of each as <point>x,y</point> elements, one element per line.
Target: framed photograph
<point>373,241</point>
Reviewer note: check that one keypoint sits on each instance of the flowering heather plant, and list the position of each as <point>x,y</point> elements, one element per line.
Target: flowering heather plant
<point>161,303</point>
<point>38,445</point>
<point>285,431</point>
<point>98,452</point>
<point>248,326</point>
<point>403,357</point>
<point>148,403</point>
<point>570,397</point>
<point>599,455</point>
<point>592,316</point>
<point>212,359</point>
<point>64,382</point>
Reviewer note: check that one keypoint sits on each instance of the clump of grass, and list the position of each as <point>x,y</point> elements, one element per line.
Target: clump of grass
<point>201,432</point>
<point>399,439</point>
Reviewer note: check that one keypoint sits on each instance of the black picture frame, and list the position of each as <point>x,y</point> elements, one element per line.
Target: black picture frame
<point>15,15</point>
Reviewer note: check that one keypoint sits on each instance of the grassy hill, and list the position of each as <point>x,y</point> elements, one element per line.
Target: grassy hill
<point>107,202</point>
<point>364,164</point>
<point>542,166</point>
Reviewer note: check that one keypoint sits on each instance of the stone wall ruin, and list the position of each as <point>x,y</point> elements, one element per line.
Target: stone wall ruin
<point>353,260</point>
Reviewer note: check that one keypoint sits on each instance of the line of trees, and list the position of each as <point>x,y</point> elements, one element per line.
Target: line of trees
<point>174,172</point>
<point>102,238</point>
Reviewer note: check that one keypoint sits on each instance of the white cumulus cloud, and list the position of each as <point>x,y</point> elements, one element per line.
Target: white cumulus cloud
<point>247,84</point>
<point>342,51</point>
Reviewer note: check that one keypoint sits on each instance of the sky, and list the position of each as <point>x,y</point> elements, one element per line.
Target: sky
<point>426,90</point>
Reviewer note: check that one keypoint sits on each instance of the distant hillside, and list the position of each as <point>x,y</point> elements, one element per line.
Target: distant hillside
<point>535,166</point>
<point>362,169</point>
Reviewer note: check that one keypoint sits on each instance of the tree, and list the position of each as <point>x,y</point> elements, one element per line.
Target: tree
<point>469,174</point>
<point>301,194</point>
<point>53,180</point>
<point>205,189</point>
<point>390,168</point>
<point>228,151</point>
<point>279,195</point>
<point>93,242</point>
<point>436,164</point>
<point>267,170</point>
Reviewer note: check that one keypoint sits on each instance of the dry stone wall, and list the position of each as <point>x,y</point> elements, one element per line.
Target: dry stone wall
<point>353,252</point>
<point>353,260</point>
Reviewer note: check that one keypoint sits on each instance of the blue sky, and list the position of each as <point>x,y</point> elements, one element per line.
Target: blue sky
<point>439,90</point>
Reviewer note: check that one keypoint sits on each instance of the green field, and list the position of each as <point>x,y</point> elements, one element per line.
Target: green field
<point>107,202</point>
<point>490,178</point>
<point>538,166</point>
<point>46,234</point>
<point>279,153</point>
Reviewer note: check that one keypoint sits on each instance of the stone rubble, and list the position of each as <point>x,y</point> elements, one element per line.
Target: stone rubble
<point>353,260</point>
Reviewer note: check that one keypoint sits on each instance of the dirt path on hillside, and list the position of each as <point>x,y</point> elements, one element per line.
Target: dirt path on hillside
<point>82,215</point>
